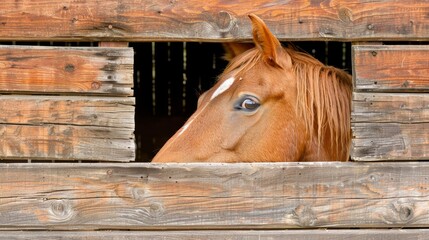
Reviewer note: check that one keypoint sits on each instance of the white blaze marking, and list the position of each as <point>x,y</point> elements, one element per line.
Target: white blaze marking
<point>185,127</point>
<point>223,87</point>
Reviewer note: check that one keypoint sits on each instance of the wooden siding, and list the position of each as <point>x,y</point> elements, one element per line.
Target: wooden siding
<point>79,108</point>
<point>390,126</point>
<point>391,68</point>
<point>67,70</point>
<point>390,113</point>
<point>322,234</point>
<point>195,20</point>
<point>406,108</point>
<point>66,128</point>
<point>114,112</point>
<point>214,196</point>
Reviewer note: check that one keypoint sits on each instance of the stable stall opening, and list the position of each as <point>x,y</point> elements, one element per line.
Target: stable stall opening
<point>169,77</point>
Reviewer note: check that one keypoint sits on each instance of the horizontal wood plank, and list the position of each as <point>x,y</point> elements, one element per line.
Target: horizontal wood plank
<point>115,112</point>
<point>390,141</point>
<point>390,126</point>
<point>391,68</point>
<point>214,196</point>
<point>390,108</point>
<point>66,142</point>
<point>67,70</point>
<point>196,20</point>
<point>372,234</point>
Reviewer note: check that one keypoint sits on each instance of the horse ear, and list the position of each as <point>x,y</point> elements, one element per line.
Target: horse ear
<point>233,49</point>
<point>265,40</point>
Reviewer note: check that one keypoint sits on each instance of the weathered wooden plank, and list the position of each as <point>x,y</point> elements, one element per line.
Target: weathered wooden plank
<point>390,141</point>
<point>391,68</point>
<point>77,70</point>
<point>113,44</point>
<point>214,196</point>
<point>116,112</point>
<point>372,234</point>
<point>193,20</point>
<point>390,126</point>
<point>66,142</point>
<point>390,108</point>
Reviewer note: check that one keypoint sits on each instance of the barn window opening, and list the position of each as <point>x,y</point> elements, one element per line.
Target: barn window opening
<point>170,76</point>
<point>179,72</point>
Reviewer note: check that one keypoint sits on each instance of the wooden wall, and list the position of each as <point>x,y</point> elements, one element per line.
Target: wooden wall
<point>214,196</point>
<point>79,104</point>
<point>390,115</point>
<point>66,103</point>
<point>195,20</point>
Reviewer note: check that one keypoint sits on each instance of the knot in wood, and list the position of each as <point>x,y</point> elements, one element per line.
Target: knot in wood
<point>138,193</point>
<point>400,211</point>
<point>306,216</point>
<point>95,85</point>
<point>156,210</point>
<point>225,21</point>
<point>404,210</point>
<point>345,15</point>
<point>69,68</point>
<point>61,210</point>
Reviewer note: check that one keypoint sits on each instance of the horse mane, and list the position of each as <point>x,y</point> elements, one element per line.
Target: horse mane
<point>324,95</point>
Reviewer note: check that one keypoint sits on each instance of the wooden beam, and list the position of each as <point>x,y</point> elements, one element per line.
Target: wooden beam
<point>214,196</point>
<point>66,70</point>
<point>322,234</point>
<point>196,20</point>
<point>66,142</point>
<point>404,108</point>
<point>66,128</point>
<point>391,68</point>
<point>115,112</point>
<point>390,141</point>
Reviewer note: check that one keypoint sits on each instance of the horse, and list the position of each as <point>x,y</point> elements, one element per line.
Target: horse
<point>271,104</point>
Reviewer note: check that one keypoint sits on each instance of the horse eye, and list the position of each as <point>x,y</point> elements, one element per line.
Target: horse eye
<point>248,103</point>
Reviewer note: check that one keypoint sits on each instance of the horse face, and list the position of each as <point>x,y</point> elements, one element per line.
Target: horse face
<point>238,120</point>
<point>250,113</point>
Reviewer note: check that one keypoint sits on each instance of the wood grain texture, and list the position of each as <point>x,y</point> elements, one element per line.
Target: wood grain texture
<point>390,141</point>
<point>214,196</point>
<point>403,108</point>
<point>323,234</point>
<point>196,20</point>
<point>66,128</point>
<point>390,126</point>
<point>115,112</point>
<point>55,70</point>
<point>66,142</point>
<point>391,68</point>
